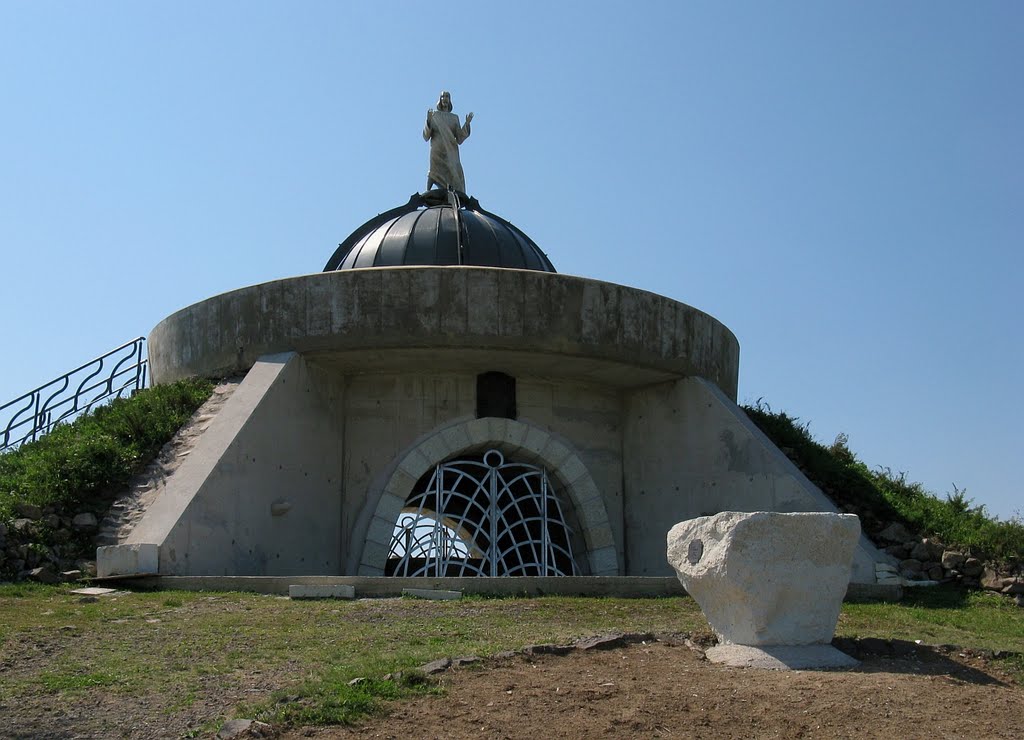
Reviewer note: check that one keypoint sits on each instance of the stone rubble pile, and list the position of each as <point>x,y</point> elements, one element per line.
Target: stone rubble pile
<point>927,560</point>
<point>47,545</point>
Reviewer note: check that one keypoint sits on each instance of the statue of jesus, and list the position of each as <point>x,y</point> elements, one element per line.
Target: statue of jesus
<point>445,134</point>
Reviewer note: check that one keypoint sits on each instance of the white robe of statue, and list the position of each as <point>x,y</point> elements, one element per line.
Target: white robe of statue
<point>444,133</point>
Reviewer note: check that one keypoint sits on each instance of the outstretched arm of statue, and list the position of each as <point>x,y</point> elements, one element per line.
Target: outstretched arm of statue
<point>463,133</point>
<point>426,126</point>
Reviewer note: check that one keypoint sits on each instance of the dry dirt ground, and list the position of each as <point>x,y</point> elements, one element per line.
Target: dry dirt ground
<point>655,689</point>
<point>668,690</point>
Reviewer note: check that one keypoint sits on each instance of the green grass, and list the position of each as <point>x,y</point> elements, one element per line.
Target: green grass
<point>183,651</point>
<point>881,496</point>
<point>76,464</point>
<point>939,616</point>
<point>205,644</point>
<point>71,680</point>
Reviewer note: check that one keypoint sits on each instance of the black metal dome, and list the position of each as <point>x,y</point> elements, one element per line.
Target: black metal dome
<point>439,228</point>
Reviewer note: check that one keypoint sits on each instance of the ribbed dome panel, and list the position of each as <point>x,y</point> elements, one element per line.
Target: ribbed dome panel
<point>424,232</point>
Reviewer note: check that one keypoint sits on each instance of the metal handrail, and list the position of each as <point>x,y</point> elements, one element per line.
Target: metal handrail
<point>32,415</point>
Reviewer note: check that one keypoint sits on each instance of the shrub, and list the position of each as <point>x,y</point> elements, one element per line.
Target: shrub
<point>98,452</point>
<point>881,496</point>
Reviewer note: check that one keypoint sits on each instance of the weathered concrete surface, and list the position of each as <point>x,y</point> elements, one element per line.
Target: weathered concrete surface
<point>127,560</point>
<point>780,657</point>
<point>610,333</point>
<point>432,594</point>
<point>689,451</point>
<point>298,446</point>
<point>766,578</point>
<point>626,396</point>
<point>275,442</point>
<point>321,591</point>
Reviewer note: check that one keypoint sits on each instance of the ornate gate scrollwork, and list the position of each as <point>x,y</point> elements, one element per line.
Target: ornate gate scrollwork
<point>482,517</point>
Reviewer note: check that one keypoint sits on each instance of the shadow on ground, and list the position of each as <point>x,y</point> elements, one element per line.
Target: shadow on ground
<point>902,656</point>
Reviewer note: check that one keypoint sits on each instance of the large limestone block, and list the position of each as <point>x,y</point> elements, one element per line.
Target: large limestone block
<point>766,578</point>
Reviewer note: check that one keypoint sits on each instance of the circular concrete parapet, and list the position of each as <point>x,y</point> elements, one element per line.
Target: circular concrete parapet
<point>489,318</point>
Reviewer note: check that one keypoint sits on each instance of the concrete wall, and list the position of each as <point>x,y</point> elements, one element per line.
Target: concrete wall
<point>259,493</point>
<point>689,451</point>
<point>336,450</point>
<point>297,434</point>
<point>610,331</point>
<point>388,414</point>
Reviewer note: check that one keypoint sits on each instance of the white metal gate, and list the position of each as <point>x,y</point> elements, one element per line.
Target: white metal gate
<point>482,517</point>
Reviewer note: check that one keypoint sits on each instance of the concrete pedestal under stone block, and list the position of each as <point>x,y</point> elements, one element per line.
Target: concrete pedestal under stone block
<point>781,657</point>
<point>766,578</point>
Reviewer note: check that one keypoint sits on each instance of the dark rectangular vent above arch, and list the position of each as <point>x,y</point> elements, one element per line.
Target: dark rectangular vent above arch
<point>495,395</point>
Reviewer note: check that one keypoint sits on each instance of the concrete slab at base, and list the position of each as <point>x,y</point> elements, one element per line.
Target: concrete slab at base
<point>127,560</point>
<point>780,657</point>
<point>94,591</point>
<point>321,591</point>
<point>432,594</point>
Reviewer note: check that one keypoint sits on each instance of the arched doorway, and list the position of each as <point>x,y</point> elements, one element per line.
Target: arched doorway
<point>482,516</point>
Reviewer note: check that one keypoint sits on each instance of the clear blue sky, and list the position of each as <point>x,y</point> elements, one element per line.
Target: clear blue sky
<point>842,183</point>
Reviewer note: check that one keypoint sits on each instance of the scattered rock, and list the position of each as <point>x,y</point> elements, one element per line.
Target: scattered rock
<point>615,640</point>
<point>435,666</point>
<point>548,649</point>
<point>952,559</point>
<point>972,567</point>
<point>70,576</point>
<point>921,551</point>
<point>910,566</point>
<point>85,522</point>
<point>28,511</point>
<point>22,525</point>
<point>935,549</point>
<point>991,580</point>
<point>1013,588</point>
<point>602,642</point>
<point>358,680</point>
<point>897,551</point>
<point>242,728</point>
<point>44,574</point>
<point>895,533</point>
<point>465,660</point>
